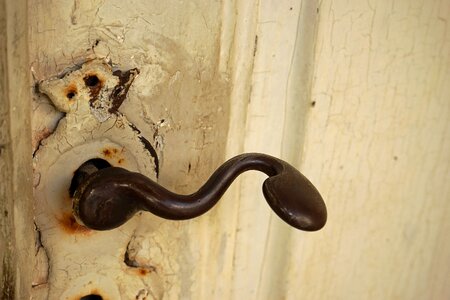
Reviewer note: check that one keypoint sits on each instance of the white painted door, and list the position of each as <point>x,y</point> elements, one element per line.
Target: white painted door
<point>355,94</point>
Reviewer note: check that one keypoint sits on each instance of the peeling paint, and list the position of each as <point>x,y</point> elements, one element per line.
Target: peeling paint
<point>178,81</point>
<point>87,131</point>
<point>120,91</point>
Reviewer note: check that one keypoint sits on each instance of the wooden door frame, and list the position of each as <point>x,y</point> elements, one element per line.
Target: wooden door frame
<point>16,201</point>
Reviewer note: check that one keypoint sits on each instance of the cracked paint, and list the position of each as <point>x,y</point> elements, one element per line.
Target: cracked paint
<point>92,128</point>
<point>179,82</point>
<point>41,267</point>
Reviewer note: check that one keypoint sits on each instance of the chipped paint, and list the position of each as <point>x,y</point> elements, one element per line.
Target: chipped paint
<point>175,45</point>
<point>120,91</point>
<point>89,130</point>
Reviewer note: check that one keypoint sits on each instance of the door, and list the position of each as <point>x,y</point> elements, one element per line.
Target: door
<point>355,95</point>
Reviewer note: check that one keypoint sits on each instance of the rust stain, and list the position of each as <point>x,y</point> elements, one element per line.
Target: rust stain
<point>107,153</point>
<point>70,91</point>
<point>114,153</point>
<point>94,83</point>
<point>140,271</point>
<point>70,225</point>
<point>145,271</point>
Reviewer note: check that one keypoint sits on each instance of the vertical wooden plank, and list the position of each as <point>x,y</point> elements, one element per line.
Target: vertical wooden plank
<point>16,221</point>
<point>378,147</point>
<point>376,143</point>
<point>7,272</point>
<point>179,102</point>
<point>236,62</point>
<point>280,90</point>
<point>297,84</point>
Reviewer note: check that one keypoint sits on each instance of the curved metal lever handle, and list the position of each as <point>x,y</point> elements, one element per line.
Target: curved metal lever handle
<point>109,197</point>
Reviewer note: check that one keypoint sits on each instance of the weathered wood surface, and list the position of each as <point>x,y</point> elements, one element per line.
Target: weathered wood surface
<point>16,219</point>
<point>355,94</point>
<point>179,102</point>
<point>376,144</point>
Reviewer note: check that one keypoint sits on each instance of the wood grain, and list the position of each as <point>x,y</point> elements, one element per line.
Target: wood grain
<point>354,93</point>
<point>377,144</point>
<point>16,218</point>
<point>375,141</point>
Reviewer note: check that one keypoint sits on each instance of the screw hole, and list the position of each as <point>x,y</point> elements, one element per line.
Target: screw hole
<point>92,297</point>
<point>84,171</point>
<point>70,95</point>
<point>91,80</point>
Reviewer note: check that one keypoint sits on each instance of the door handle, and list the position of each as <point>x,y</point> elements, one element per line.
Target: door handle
<point>106,198</point>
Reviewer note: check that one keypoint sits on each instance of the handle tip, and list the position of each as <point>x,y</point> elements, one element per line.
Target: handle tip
<point>295,200</point>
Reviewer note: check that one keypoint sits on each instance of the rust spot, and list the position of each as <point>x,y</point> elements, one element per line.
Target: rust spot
<point>94,83</point>
<point>107,153</point>
<point>113,153</point>
<point>110,152</point>
<point>70,91</point>
<point>70,225</point>
<point>145,271</point>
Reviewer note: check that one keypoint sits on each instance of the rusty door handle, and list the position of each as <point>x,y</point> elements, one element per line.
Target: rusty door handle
<point>107,198</point>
